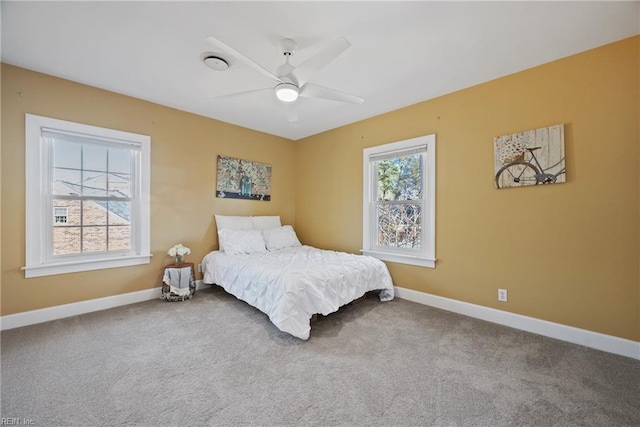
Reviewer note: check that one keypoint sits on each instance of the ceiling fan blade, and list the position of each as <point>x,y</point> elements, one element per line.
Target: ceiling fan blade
<point>259,68</point>
<point>246,92</point>
<point>314,91</point>
<point>305,71</point>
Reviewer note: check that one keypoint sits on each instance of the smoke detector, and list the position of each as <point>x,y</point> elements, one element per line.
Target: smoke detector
<point>215,62</point>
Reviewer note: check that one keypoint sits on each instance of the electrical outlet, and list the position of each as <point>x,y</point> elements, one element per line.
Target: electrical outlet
<point>502,295</point>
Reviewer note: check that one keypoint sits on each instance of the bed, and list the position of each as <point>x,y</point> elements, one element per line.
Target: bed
<point>263,263</point>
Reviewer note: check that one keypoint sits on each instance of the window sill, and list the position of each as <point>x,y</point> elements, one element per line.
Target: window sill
<point>83,265</point>
<point>402,258</point>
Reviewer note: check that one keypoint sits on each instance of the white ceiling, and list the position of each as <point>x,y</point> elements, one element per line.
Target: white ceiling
<point>402,52</point>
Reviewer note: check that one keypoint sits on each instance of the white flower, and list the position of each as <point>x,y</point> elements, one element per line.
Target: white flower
<point>179,250</point>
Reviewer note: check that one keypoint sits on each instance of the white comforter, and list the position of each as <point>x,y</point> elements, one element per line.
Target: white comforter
<point>290,285</point>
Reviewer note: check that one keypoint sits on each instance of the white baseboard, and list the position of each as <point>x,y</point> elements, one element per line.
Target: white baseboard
<point>26,318</point>
<point>608,343</point>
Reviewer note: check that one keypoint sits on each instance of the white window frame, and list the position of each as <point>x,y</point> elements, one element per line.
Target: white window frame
<point>39,221</point>
<point>425,256</point>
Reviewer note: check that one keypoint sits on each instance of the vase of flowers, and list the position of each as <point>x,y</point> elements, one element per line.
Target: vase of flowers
<point>179,252</point>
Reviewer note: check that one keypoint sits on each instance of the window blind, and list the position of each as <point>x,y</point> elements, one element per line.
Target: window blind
<point>398,153</point>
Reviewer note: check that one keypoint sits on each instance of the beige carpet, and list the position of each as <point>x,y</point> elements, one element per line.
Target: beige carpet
<point>216,361</point>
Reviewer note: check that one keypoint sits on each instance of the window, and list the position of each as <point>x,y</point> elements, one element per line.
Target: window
<point>96,183</point>
<point>399,201</point>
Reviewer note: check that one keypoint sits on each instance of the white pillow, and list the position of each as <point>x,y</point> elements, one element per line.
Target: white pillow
<point>265,222</point>
<point>225,222</point>
<point>241,241</point>
<point>280,238</point>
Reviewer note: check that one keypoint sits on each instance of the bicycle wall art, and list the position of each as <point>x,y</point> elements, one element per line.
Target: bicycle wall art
<point>532,157</point>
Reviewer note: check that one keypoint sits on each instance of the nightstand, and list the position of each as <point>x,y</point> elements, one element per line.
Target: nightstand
<point>179,282</point>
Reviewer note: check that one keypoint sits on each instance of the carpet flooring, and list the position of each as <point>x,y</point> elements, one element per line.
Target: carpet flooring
<point>216,361</point>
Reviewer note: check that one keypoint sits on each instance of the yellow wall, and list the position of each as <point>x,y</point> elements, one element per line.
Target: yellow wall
<point>566,253</point>
<point>183,166</point>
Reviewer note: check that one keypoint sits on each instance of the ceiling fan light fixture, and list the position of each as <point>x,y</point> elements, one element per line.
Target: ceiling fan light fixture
<point>287,92</point>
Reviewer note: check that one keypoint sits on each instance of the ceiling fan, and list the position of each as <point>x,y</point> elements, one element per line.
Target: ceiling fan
<point>292,82</point>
